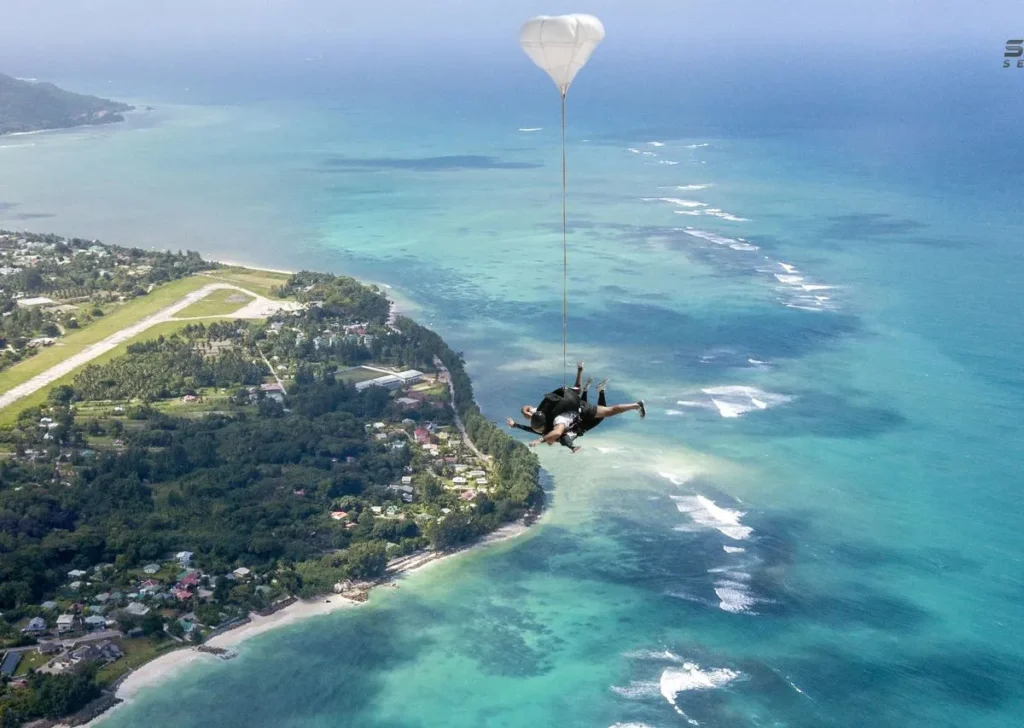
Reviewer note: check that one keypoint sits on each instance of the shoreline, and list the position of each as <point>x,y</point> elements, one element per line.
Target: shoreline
<point>170,664</point>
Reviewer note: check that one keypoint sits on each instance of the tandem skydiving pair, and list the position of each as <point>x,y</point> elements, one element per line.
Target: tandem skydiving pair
<point>565,415</point>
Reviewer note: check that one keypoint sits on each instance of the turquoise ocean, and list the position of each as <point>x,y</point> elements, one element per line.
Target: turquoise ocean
<point>808,265</point>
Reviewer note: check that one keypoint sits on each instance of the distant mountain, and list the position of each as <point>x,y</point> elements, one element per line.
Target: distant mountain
<point>30,106</point>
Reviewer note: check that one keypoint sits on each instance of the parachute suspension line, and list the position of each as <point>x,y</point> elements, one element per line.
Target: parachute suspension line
<point>565,260</point>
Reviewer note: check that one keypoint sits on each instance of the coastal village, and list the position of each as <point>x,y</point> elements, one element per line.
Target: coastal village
<point>392,481</point>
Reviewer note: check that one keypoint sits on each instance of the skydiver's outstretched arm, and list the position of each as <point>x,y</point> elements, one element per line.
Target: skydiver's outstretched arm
<point>552,437</point>
<point>516,426</point>
<point>579,376</point>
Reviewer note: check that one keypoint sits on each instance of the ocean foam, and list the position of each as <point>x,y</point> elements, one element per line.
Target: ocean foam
<point>693,188</point>
<point>637,690</point>
<point>695,146</point>
<point>745,247</point>
<point>676,201</point>
<point>653,655</point>
<point>734,549</point>
<point>631,725</point>
<point>705,513</point>
<point>656,144</point>
<point>668,162</point>
<point>676,680</point>
<point>633,150</point>
<point>677,478</point>
<point>789,280</point>
<point>674,413</point>
<point>531,128</point>
<point>711,237</point>
<point>787,267</point>
<point>736,400</point>
<point>649,154</point>
<point>734,597</point>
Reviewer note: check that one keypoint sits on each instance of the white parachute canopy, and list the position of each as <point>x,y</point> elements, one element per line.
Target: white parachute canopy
<point>561,45</point>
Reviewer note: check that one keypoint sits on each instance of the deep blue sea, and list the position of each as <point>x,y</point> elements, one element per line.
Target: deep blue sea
<point>808,264</point>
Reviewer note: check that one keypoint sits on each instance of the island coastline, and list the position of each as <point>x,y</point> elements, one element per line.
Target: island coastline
<point>291,611</point>
<point>171,664</point>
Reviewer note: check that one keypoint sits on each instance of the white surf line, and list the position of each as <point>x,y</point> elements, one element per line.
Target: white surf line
<point>260,307</point>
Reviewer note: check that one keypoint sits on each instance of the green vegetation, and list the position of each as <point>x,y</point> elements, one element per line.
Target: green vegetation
<point>9,415</point>
<point>218,303</point>
<point>264,282</point>
<point>127,464</point>
<point>48,696</point>
<point>29,106</point>
<point>78,292</point>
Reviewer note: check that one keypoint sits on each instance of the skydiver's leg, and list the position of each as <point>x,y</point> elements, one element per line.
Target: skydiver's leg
<point>618,409</point>
<point>600,398</point>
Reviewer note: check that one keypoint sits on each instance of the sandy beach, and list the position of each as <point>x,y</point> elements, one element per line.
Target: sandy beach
<point>166,666</point>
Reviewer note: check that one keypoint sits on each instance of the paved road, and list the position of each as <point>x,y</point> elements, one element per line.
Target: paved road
<point>260,307</point>
<point>458,420</point>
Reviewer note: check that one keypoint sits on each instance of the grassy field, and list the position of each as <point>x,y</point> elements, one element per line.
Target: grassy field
<point>132,312</point>
<point>354,376</point>
<point>218,303</point>
<point>30,661</point>
<point>9,415</point>
<point>258,281</point>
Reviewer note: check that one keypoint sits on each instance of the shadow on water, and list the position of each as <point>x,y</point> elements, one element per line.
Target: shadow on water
<point>862,228</point>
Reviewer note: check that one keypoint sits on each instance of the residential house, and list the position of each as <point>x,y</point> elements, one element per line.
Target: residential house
<point>273,391</point>
<point>76,585</point>
<point>408,402</point>
<point>377,510</point>
<point>49,606</point>
<point>104,652</point>
<point>183,557</point>
<point>77,573</point>
<point>476,474</point>
<point>95,622</point>
<point>481,481</point>
<point>66,623</point>
<point>241,572</point>
<point>35,626</point>
<point>137,610</point>
<point>339,515</point>
<point>406,480</point>
<point>459,480</point>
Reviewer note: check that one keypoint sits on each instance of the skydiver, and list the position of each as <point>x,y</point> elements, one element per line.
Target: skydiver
<point>571,420</point>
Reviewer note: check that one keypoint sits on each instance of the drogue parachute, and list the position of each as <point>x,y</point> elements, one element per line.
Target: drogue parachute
<point>561,45</point>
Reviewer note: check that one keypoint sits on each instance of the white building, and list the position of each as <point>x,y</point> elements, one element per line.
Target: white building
<point>388,381</point>
<point>410,376</point>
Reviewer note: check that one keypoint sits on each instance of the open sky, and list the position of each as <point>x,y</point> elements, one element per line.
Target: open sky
<point>129,26</point>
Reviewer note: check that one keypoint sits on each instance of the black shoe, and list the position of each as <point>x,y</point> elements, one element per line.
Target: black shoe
<point>643,409</point>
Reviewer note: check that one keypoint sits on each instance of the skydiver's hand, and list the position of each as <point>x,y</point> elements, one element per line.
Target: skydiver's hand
<point>511,422</point>
<point>535,443</point>
<point>579,364</point>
